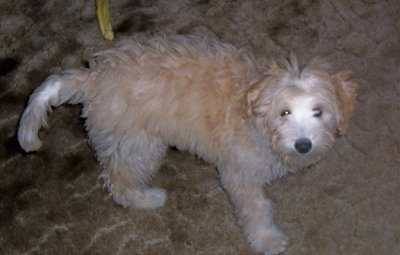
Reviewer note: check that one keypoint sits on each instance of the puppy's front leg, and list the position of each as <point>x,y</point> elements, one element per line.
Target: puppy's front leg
<point>255,213</point>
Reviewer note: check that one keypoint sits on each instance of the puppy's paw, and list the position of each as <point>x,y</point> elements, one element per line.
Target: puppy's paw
<point>269,241</point>
<point>151,198</point>
<point>144,198</point>
<point>140,198</point>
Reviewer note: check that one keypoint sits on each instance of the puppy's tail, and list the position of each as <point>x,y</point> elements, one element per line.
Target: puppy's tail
<point>56,90</point>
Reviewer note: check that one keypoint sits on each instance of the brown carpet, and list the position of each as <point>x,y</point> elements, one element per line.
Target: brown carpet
<point>50,202</point>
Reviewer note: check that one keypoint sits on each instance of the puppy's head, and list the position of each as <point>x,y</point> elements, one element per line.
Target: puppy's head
<point>301,110</point>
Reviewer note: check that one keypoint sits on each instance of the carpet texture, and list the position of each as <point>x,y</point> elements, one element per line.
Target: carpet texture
<point>50,202</point>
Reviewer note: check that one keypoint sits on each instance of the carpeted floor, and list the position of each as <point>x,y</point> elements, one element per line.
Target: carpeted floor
<point>50,202</point>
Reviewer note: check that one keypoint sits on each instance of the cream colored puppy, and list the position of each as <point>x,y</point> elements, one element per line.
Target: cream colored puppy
<point>255,122</point>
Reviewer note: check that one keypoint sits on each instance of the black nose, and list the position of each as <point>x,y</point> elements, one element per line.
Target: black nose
<point>303,145</point>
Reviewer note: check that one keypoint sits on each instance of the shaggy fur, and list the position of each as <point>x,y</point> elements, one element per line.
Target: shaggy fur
<point>255,122</point>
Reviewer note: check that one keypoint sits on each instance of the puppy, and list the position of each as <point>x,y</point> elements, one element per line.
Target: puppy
<point>255,122</point>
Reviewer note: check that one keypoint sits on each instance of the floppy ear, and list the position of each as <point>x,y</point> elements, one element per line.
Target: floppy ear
<point>346,93</point>
<point>258,96</point>
<point>252,97</point>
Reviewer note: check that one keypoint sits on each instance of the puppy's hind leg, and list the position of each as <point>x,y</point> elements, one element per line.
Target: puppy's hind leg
<point>132,164</point>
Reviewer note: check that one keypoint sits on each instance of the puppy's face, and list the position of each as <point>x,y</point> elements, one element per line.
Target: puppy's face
<point>301,112</point>
<point>301,126</point>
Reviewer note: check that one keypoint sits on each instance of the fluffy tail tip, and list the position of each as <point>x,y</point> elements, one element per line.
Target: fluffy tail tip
<point>28,141</point>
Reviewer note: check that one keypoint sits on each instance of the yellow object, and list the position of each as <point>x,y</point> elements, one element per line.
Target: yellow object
<point>104,20</point>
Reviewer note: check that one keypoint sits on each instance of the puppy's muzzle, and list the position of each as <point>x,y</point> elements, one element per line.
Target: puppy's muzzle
<point>303,145</point>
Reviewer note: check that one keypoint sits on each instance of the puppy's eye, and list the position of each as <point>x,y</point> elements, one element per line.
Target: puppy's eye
<point>285,113</point>
<point>317,113</point>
